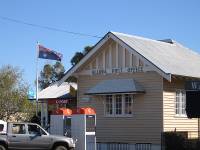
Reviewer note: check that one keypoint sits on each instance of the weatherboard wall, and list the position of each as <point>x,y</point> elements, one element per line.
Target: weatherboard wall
<point>153,111</point>
<point>145,126</point>
<point>171,121</point>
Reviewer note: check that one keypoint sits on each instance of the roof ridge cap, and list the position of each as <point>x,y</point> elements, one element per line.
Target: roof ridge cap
<point>142,38</point>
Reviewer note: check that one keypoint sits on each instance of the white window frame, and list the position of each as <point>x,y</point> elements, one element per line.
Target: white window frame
<point>180,100</point>
<point>123,114</point>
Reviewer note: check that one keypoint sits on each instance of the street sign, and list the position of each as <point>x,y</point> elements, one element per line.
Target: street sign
<point>31,95</point>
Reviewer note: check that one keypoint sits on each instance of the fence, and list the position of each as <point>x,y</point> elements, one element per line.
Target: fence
<point>123,146</point>
<point>145,146</point>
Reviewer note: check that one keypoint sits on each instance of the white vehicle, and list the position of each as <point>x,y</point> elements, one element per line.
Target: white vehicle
<point>3,127</point>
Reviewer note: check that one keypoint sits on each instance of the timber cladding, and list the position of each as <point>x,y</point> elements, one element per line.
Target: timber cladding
<point>171,121</point>
<point>160,67</point>
<point>146,123</point>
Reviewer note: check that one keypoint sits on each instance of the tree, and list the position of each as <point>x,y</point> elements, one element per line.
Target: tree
<point>13,95</point>
<point>76,58</point>
<point>87,49</point>
<point>79,55</point>
<point>51,74</point>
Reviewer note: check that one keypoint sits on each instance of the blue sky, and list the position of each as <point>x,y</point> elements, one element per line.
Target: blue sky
<point>156,19</point>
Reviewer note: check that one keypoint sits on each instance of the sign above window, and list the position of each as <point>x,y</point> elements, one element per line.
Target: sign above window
<point>134,69</point>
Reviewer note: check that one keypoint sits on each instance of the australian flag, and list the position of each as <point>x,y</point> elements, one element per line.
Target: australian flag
<point>46,53</point>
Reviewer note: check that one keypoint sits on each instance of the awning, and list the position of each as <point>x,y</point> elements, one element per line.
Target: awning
<point>65,91</point>
<point>54,94</point>
<point>116,86</point>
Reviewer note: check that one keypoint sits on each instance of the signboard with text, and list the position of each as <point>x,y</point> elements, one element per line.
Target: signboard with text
<point>58,101</point>
<point>117,70</point>
<point>193,85</point>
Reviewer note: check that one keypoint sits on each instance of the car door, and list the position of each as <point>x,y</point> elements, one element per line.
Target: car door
<point>38,139</point>
<point>17,136</point>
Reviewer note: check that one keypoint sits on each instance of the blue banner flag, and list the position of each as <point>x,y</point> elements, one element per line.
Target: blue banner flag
<point>46,53</point>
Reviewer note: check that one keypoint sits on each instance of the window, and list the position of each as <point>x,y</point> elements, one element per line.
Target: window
<point>18,129</point>
<point>35,130</point>
<point>109,105</point>
<point>119,105</point>
<point>128,104</point>
<point>180,103</point>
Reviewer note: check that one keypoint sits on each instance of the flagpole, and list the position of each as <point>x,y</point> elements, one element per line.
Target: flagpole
<point>37,54</point>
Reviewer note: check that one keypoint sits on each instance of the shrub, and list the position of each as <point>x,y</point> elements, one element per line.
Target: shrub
<point>174,141</point>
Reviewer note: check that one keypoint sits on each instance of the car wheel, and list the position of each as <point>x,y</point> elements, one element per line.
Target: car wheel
<point>2,147</point>
<point>59,147</point>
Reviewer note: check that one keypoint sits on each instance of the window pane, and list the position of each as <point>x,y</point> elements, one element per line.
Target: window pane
<point>180,103</point>
<point>118,105</point>
<point>177,104</point>
<point>34,129</point>
<point>183,102</point>
<point>18,129</point>
<point>128,104</point>
<point>109,105</point>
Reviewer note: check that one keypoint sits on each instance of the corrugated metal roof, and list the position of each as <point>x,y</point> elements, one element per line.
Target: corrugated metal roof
<point>172,58</point>
<point>116,86</point>
<point>167,55</point>
<point>56,90</point>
